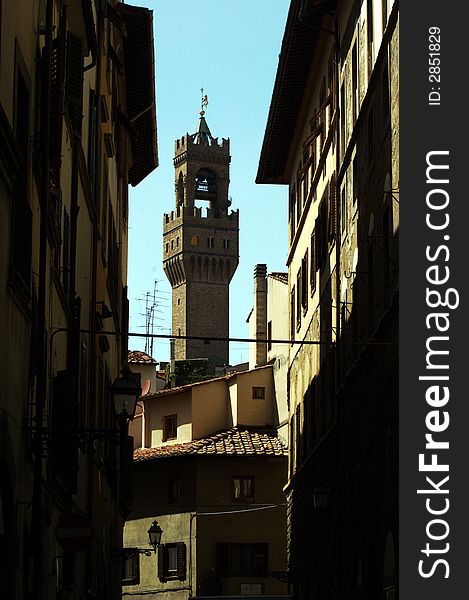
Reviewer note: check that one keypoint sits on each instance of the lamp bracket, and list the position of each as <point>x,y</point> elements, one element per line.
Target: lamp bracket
<point>52,437</point>
<point>122,554</point>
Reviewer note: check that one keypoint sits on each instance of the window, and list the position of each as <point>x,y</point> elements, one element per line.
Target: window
<point>299,437</point>
<point>343,209</point>
<point>22,214</point>
<point>66,253</point>
<point>342,118</point>
<point>304,282</point>
<point>384,12</point>
<point>291,445</point>
<point>242,560</point>
<point>194,241</point>
<point>386,254</point>
<point>167,247</point>
<point>91,137</point>
<point>211,242</point>
<point>292,211</point>
<point>170,427</point>
<point>205,182</point>
<point>174,491</point>
<point>371,137</point>
<point>226,244</point>
<point>131,567</point>
<point>298,299</point>
<point>370,35</point>
<point>332,211</point>
<point>74,83</point>
<point>354,83</point>
<point>322,108</point>
<point>385,92</point>
<point>172,561</point>
<point>321,235</point>
<point>313,266</point>
<point>292,313</point>
<point>355,179</point>
<point>242,489</point>
<point>299,190</point>
<point>258,392</point>
<point>330,84</point>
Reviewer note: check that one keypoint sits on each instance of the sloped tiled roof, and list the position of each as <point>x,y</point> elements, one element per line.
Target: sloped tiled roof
<point>140,357</point>
<point>238,441</point>
<point>279,276</point>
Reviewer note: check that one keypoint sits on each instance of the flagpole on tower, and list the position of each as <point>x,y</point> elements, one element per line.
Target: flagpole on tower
<point>204,101</point>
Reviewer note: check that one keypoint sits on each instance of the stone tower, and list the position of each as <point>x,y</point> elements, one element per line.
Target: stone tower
<point>200,246</point>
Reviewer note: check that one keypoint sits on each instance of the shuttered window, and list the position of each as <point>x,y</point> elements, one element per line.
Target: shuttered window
<point>131,567</point>
<point>66,253</point>
<point>242,560</point>
<point>304,282</point>
<point>74,84</point>
<point>172,561</point>
<point>313,266</point>
<point>332,211</point>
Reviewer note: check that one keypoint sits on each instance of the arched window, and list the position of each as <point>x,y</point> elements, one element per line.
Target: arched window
<point>180,190</point>
<point>206,182</point>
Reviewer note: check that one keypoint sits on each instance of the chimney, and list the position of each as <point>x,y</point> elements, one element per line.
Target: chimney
<point>260,312</point>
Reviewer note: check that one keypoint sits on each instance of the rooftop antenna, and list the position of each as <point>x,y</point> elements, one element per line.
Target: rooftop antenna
<point>152,303</point>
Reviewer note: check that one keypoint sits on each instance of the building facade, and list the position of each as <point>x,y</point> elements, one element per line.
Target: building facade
<point>77,126</point>
<point>332,137</point>
<point>210,469</point>
<point>268,323</point>
<point>200,247</point>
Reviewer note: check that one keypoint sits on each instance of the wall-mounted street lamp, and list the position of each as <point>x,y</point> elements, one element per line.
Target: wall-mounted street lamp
<point>124,395</point>
<point>154,534</point>
<point>125,392</point>
<point>154,539</point>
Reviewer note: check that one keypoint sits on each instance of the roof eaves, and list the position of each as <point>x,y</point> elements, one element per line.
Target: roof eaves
<point>296,54</point>
<point>139,65</point>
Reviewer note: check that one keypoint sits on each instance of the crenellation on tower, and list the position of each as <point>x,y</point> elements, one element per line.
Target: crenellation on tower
<point>201,245</point>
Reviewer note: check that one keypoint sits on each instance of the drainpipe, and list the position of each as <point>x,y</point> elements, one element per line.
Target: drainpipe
<point>41,383</point>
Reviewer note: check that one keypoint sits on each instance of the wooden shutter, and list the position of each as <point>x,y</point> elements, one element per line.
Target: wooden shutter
<point>125,323</point>
<point>299,438</point>
<point>332,210</point>
<point>66,253</point>
<point>181,560</point>
<point>56,97</point>
<point>161,562</point>
<point>74,88</point>
<point>318,235</point>
<point>64,445</point>
<point>314,266</point>
<point>223,559</point>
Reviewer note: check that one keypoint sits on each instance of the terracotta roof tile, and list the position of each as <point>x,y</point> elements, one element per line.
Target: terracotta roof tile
<point>279,276</point>
<point>140,357</point>
<point>238,441</point>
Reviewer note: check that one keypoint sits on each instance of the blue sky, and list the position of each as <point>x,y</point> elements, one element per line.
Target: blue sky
<point>230,48</point>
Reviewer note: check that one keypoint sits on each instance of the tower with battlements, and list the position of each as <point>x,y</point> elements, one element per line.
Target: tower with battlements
<point>200,246</point>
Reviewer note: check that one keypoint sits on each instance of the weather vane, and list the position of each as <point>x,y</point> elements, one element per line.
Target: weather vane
<point>204,102</point>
